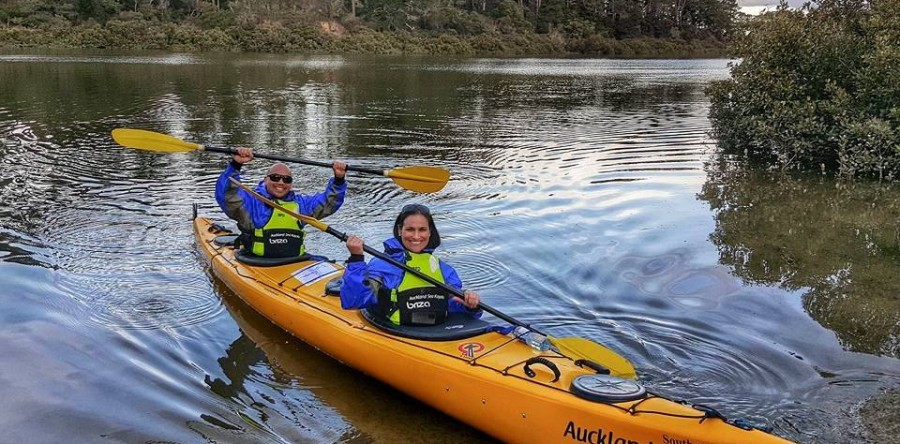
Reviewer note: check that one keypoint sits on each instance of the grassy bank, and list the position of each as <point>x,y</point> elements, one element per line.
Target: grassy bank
<point>335,39</point>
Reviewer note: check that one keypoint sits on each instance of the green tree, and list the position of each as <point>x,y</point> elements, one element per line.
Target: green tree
<point>389,15</point>
<point>709,18</point>
<point>100,10</point>
<point>816,89</point>
<point>511,17</point>
<point>508,26</point>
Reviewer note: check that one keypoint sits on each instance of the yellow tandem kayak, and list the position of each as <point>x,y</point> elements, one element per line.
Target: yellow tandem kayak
<point>491,381</point>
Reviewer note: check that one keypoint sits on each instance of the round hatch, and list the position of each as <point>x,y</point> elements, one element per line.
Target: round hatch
<point>607,388</point>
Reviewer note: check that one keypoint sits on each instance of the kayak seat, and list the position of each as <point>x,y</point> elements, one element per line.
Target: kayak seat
<point>245,257</point>
<point>225,240</point>
<point>457,326</point>
<point>333,287</point>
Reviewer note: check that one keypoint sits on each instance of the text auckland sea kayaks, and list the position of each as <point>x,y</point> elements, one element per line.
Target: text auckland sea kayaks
<point>490,381</point>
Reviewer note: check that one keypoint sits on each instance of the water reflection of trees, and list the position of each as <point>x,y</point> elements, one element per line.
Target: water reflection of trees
<point>840,243</point>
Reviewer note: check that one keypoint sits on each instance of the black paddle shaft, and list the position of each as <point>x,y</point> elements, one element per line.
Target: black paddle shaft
<point>433,281</point>
<point>233,151</point>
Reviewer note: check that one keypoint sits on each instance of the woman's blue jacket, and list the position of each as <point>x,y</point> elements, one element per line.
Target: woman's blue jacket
<point>358,290</point>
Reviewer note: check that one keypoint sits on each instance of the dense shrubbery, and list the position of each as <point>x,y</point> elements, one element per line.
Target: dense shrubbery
<point>645,47</point>
<point>277,37</point>
<point>447,19</point>
<point>816,88</point>
<point>620,28</point>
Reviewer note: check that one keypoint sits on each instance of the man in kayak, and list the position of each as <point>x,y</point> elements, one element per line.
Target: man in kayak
<point>402,297</point>
<point>272,233</point>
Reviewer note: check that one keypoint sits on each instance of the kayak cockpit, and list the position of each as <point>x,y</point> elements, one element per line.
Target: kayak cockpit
<point>457,326</point>
<point>245,257</point>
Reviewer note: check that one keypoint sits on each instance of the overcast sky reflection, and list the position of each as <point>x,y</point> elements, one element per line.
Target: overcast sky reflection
<point>754,7</point>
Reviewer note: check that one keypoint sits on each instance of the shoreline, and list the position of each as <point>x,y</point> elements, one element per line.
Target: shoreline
<point>327,39</point>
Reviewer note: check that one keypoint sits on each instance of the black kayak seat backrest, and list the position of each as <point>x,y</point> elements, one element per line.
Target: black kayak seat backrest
<point>225,240</point>
<point>457,326</point>
<point>333,287</point>
<point>248,258</point>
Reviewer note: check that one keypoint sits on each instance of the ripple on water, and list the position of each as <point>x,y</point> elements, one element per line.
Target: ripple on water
<point>479,270</point>
<point>132,273</point>
<point>146,300</point>
<point>169,59</point>
<point>105,228</point>
<point>670,276</point>
<point>620,147</point>
<point>572,203</point>
<point>699,362</point>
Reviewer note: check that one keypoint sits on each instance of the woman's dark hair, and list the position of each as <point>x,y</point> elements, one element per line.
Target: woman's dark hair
<point>408,210</point>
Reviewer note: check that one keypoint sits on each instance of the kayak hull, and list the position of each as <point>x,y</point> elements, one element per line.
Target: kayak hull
<point>480,380</point>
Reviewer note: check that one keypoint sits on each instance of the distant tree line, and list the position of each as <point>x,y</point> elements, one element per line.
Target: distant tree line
<point>815,89</point>
<point>683,20</point>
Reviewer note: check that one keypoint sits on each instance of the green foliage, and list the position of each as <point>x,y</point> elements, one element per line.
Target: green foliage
<point>579,28</point>
<point>100,10</point>
<point>511,18</point>
<point>216,18</point>
<point>370,43</point>
<point>37,13</point>
<point>815,89</point>
<point>130,16</point>
<point>598,45</point>
<point>274,37</point>
<point>618,18</point>
<point>386,15</point>
<point>708,18</point>
<point>445,18</point>
<point>448,44</point>
<point>92,35</point>
<point>553,15</point>
<point>489,44</point>
<point>502,27</point>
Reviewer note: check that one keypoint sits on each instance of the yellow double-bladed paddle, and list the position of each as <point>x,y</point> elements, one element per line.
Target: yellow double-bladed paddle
<point>591,353</point>
<point>421,179</point>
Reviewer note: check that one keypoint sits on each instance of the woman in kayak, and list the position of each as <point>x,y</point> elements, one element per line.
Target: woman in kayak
<point>402,297</point>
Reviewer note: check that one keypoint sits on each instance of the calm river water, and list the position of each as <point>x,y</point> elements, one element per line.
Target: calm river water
<point>586,197</point>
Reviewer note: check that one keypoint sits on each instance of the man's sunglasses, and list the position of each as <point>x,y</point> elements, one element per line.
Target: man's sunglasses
<point>279,177</point>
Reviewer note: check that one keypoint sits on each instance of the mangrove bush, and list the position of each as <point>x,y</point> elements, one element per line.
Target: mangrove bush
<point>816,88</point>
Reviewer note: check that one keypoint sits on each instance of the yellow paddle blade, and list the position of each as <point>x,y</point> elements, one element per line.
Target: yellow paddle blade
<point>151,141</point>
<point>581,348</point>
<point>421,179</point>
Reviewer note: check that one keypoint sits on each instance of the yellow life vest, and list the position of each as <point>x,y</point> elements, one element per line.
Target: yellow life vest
<point>281,236</point>
<point>415,301</point>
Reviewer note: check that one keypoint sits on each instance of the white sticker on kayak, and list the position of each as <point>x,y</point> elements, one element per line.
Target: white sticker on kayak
<point>312,273</point>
